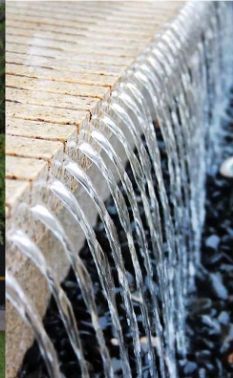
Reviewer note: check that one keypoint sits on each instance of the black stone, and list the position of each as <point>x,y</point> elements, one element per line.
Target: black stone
<point>190,368</point>
<point>212,242</point>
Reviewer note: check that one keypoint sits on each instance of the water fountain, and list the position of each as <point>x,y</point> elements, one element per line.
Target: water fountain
<point>161,119</point>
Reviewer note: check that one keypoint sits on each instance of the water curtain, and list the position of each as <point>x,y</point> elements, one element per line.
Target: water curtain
<point>165,113</point>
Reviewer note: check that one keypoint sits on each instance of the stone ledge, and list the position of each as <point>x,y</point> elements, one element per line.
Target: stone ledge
<point>61,60</point>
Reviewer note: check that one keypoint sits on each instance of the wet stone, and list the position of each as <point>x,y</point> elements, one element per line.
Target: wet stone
<point>224,318</point>
<point>190,368</point>
<point>212,324</point>
<point>202,373</point>
<point>217,287</point>
<point>226,168</point>
<point>202,356</point>
<point>212,242</point>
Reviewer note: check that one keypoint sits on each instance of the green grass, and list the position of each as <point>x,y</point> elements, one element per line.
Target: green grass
<point>2,354</point>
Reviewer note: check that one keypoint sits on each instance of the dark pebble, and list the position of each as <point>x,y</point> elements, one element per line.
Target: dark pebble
<point>190,367</point>
<point>212,242</point>
<point>202,373</point>
<point>217,286</point>
<point>212,324</point>
<point>224,318</point>
<point>202,356</point>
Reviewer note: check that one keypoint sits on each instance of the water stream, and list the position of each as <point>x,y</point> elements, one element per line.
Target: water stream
<point>15,294</point>
<point>136,270</point>
<point>30,250</point>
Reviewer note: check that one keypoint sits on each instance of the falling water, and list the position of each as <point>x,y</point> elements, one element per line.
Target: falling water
<point>101,262</point>
<point>127,185</point>
<point>78,173</point>
<point>128,188</point>
<point>125,222</point>
<point>165,115</point>
<point>29,249</point>
<point>82,275</point>
<point>15,294</point>
<point>153,222</point>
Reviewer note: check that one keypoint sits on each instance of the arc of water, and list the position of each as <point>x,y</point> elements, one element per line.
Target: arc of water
<point>145,126</point>
<point>106,146</point>
<point>176,87</point>
<point>194,129</point>
<point>121,206</point>
<point>101,262</point>
<point>144,81</point>
<point>142,176</point>
<point>187,134</point>
<point>148,130</point>
<point>143,74</point>
<point>154,222</point>
<point>196,143</point>
<point>30,250</point>
<point>81,177</point>
<point>145,172</point>
<point>206,36</point>
<point>185,103</point>
<point>134,125</point>
<point>127,185</point>
<point>145,163</point>
<point>181,327</point>
<point>174,189</point>
<point>183,133</point>
<point>200,79</point>
<point>17,297</point>
<point>151,62</point>
<point>83,278</point>
<point>166,130</point>
<point>153,150</point>
<point>125,102</point>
